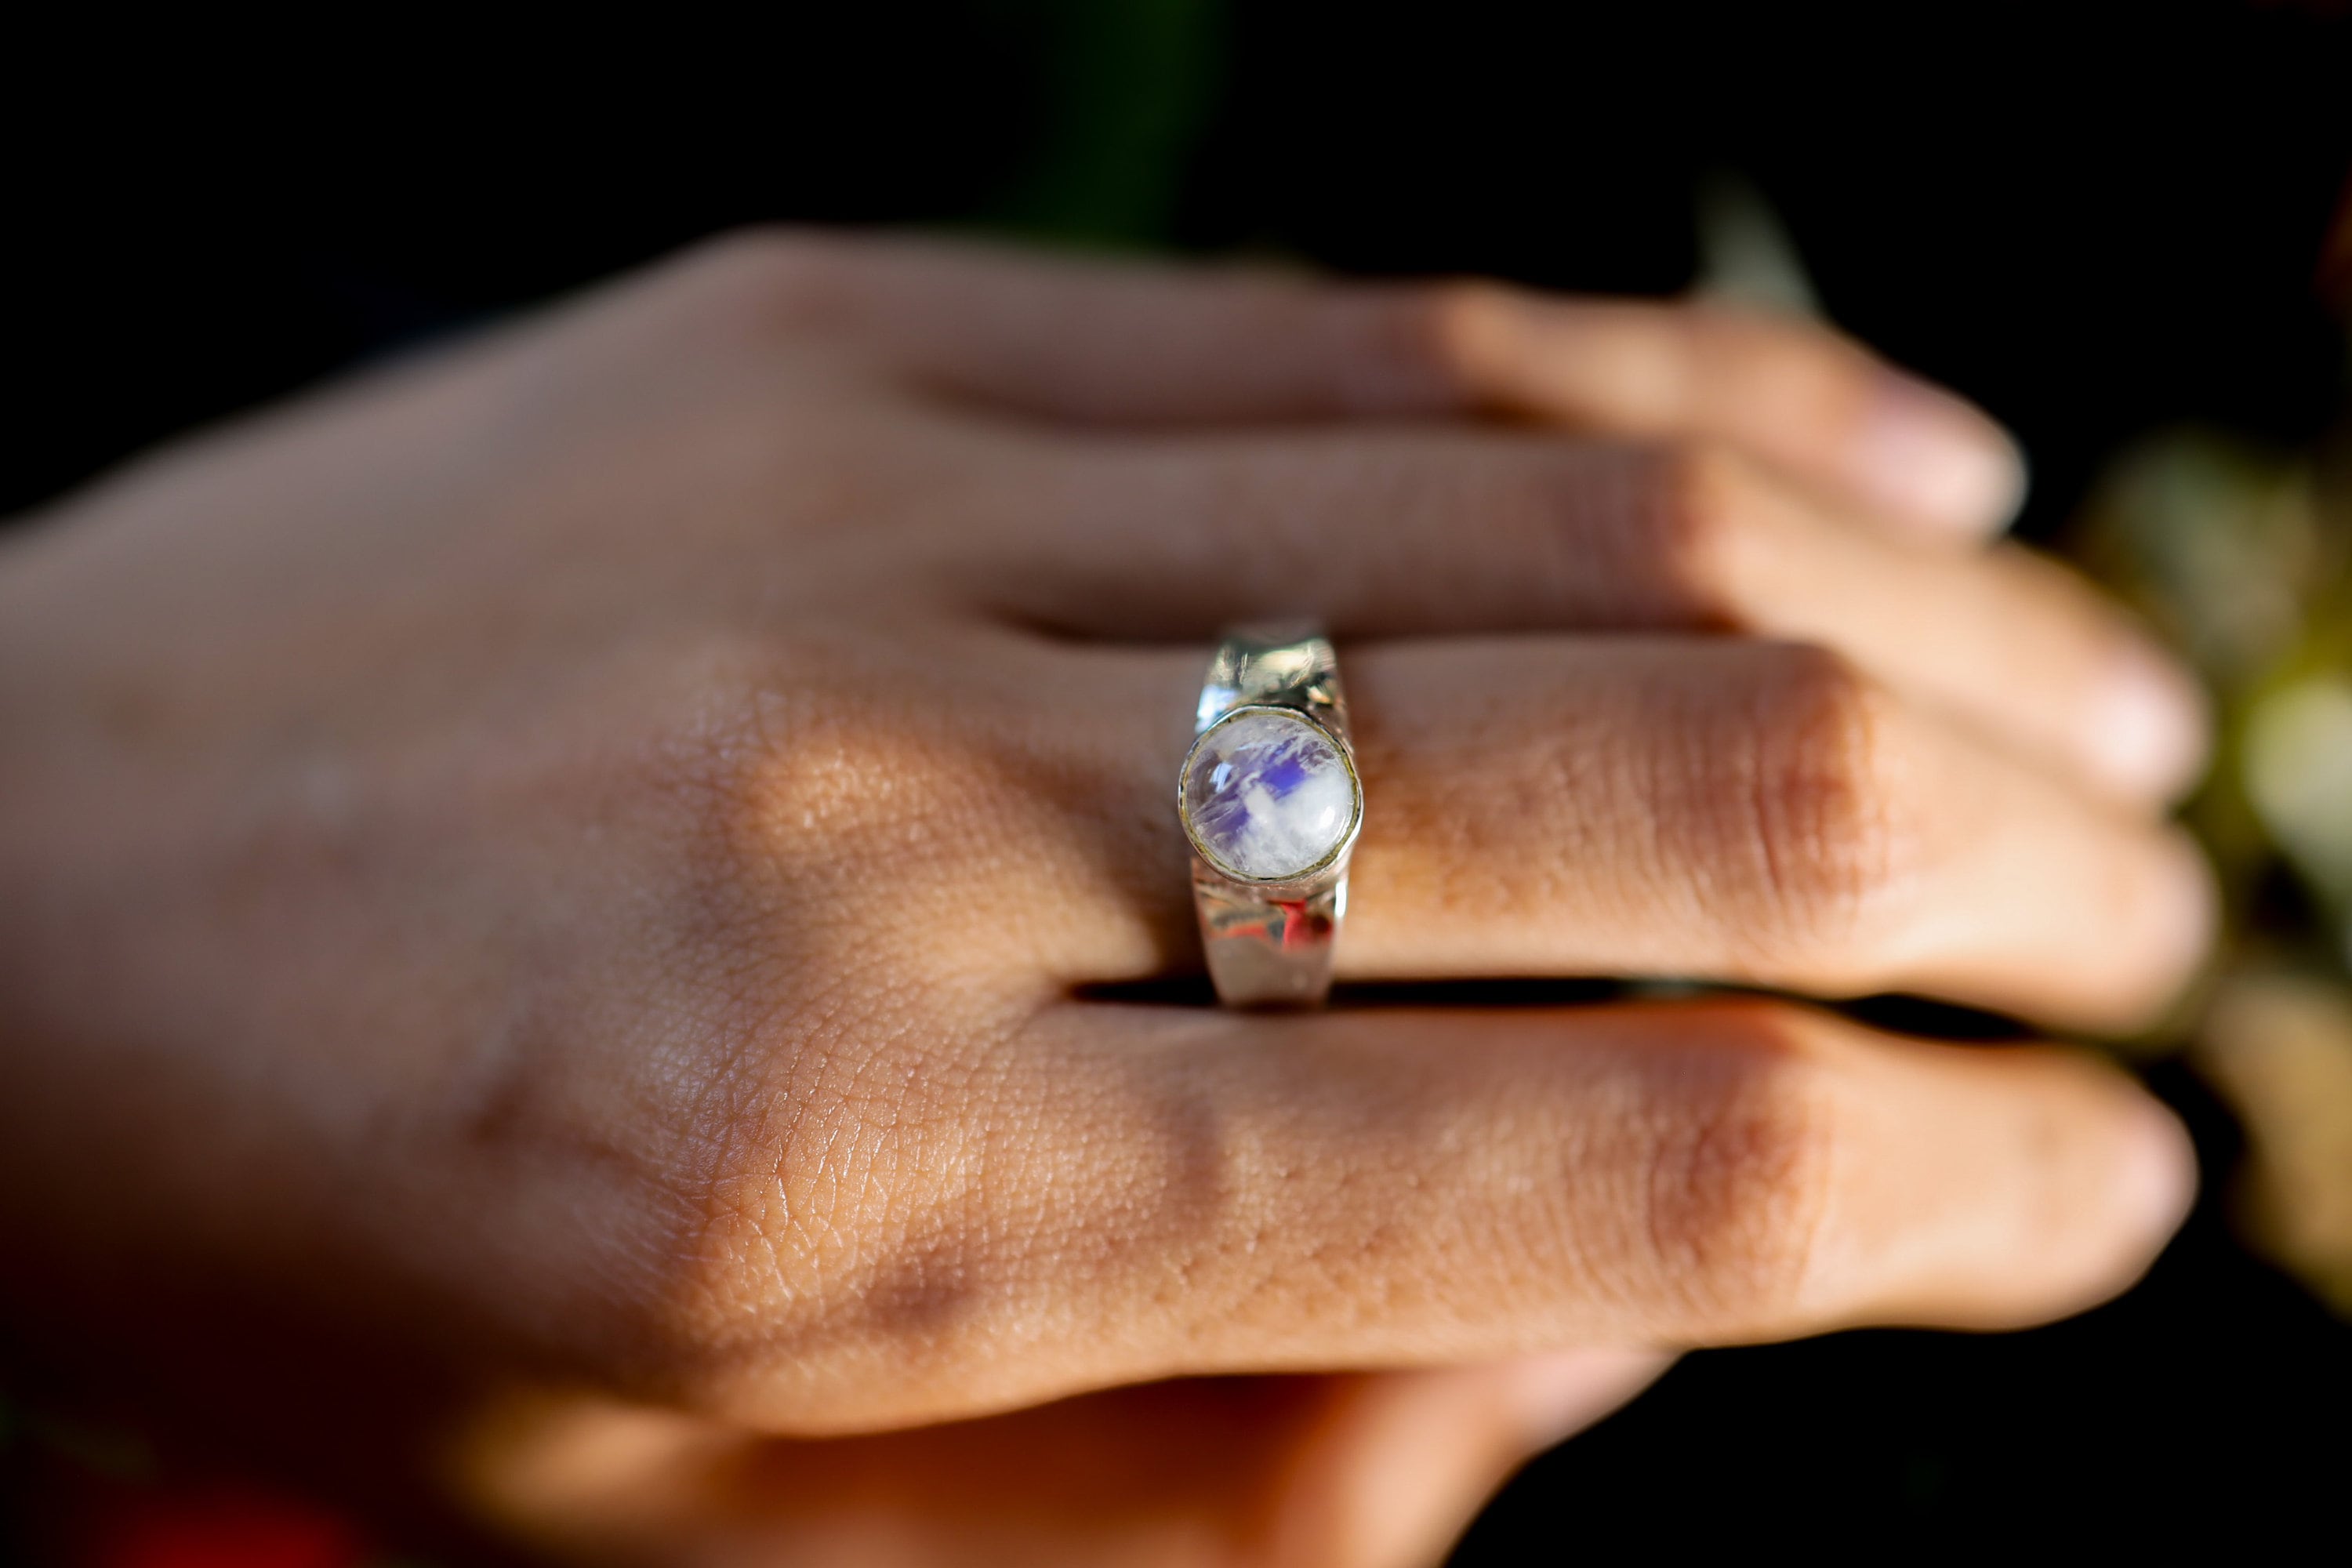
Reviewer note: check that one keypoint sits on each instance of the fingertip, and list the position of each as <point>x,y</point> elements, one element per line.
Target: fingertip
<point>1936,461</point>
<point>2117,1197</point>
<point>1561,1394</point>
<point>2156,1173</point>
<point>2151,732</point>
<point>2167,916</point>
<point>2015,1187</point>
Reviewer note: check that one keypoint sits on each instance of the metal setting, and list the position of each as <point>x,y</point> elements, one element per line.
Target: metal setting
<point>1269,942</point>
<point>1338,852</point>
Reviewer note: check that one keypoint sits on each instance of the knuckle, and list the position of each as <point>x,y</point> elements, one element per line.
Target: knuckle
<point>772,278</point>
<point>1430,343</point>
<point>807,1149</point>
<point>839,1192</point>
<point>792,759</point>
<point>815,813</point>
<point>1821,794</point>
<point>1741,1182</point>
<point>1695,503</point>
<point>848,1211</point>
<point>781,788</point>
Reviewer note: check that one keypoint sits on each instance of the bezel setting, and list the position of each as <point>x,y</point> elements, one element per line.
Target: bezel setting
<point>1308,878</point>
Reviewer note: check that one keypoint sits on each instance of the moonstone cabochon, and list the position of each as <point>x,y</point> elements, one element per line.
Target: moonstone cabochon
<point>1268,795</point>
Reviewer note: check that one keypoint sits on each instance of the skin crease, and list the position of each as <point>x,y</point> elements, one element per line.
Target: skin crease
<point>560,878</point>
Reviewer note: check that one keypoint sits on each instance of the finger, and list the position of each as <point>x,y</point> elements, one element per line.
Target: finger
<point>1365,1471</point>
<point>1097,342</point>
<point>1696,807</point>
<point>1141,1192</point>
<point>1404,1460</point>
<point>1804,399</point>
<point>1453,531</point>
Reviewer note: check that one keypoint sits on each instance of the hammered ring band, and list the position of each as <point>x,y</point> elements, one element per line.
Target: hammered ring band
<point>1271,801</point>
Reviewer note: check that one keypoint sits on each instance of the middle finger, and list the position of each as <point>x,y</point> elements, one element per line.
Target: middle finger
<point>1421,531</point>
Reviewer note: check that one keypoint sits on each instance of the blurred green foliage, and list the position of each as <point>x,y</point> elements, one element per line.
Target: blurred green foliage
<point>1129,88</point>
<point>2243,556</point>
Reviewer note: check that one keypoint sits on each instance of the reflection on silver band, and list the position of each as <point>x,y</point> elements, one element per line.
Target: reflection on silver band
<point>1271,802</point>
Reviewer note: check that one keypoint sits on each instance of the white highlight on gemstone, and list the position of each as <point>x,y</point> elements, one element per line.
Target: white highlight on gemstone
<point>1268,795</point>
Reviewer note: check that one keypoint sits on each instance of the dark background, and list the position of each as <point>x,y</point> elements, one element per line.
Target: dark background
<point>2095,222</point>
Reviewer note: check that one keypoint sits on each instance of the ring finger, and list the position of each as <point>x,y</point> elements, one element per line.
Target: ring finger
<point>1442,532</point>
<point>1708,808</point>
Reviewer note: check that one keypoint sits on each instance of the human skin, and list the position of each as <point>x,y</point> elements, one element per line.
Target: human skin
<point>603,862</point>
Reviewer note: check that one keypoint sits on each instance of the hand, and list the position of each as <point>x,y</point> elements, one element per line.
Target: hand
<point>581,856</point>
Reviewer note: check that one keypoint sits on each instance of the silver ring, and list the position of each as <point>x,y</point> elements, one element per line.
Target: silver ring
<point>1271,801</point>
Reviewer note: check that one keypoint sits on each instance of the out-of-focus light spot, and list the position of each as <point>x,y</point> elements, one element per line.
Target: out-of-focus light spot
<point>2279,1048</point>
<point>2297,772</point>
